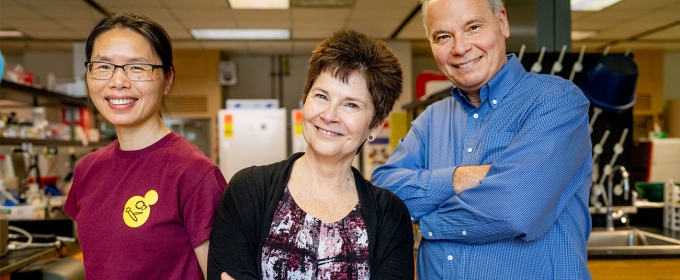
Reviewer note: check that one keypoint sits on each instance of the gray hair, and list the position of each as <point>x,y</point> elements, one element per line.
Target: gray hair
<point>494,5</point>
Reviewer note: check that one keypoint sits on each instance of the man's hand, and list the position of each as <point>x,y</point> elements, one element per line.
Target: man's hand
<point>226,276</point>
<point>466,177</point>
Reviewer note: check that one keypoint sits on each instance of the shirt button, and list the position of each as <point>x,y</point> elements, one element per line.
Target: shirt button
<point>464,233</point>
<point>469,150</point>
<point>450,257</point>
<point>494,101</point>
<point>475,116</point>
<point>429,234</point>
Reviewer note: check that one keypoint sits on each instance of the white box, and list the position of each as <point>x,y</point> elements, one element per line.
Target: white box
<point>22,212</point>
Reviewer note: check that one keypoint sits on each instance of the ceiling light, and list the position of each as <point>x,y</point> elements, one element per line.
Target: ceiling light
<point>591,5</point>
<point>240,34</point>
<point>578,35</point>
<point>11,34</point>
<point>322,3</point>
<point>258,4</point>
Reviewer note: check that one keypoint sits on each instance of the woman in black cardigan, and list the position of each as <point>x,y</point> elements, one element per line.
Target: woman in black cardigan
<point>314,216</point>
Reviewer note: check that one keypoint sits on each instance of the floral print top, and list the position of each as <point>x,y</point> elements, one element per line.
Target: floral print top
<point>300,246</point>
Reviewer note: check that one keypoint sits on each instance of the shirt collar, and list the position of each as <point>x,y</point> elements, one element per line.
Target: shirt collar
<point>498,87</point>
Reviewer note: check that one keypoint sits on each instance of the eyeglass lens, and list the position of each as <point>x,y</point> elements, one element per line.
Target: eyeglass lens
<point>105,71</point>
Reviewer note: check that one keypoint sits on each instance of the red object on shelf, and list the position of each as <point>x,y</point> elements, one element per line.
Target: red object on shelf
<point>81,117</point>
<point>45,180</point>
<point>27,78</point>
<point>423,78</point>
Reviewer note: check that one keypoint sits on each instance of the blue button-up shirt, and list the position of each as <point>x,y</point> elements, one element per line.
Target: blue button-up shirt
<point>528,218</point>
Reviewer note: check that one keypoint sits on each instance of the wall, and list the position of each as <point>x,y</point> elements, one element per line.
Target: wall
<point>402,49</point>
<point>671,76</point>
<point>649,88</point>
<point>42,63</point>
<point>671,88</point>
<point>254,79</point>
<point>196,93</point>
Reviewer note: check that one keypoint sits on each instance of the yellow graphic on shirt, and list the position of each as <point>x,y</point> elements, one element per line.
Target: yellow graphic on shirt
<point>137,209</point>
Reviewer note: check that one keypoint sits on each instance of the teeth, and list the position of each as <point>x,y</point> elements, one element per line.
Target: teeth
<point>466,64</point>
<point>121,101</point>
<point>327,132</point>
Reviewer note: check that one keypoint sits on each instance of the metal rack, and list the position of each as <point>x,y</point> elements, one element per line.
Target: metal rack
<point>29,96</point>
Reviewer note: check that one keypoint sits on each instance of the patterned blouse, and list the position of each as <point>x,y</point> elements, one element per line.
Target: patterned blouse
<point>300,246</point>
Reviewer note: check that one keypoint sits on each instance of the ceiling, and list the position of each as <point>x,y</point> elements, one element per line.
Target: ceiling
<point>54,25</point>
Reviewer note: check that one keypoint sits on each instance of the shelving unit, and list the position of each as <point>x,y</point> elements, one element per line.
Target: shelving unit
<point>38,97</point>
<point>28,96</point>
<point>671,216</point>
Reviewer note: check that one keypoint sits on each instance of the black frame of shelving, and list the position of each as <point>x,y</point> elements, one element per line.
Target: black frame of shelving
<point>39,97</point>
<point>48,142</point>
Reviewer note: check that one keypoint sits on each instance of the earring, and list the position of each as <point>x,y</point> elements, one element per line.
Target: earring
<point>370,138</point>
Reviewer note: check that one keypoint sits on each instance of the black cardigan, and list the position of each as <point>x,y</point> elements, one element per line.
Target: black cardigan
<point>247,209</point>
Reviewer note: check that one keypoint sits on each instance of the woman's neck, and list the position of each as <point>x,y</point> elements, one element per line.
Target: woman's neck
<point>324,173</point>
<point>138,137</point>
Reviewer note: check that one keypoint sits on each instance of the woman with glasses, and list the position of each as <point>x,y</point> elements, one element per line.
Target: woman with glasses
<point>314,216</point>
<point>144,204</point>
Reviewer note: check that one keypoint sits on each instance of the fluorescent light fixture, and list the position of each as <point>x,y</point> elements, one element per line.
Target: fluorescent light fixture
<point>240,34</point>
<point>591,5</point>
<point>259,4</point>
<point>321,3</point>
<point>11,34</point>
<point>578,35</point>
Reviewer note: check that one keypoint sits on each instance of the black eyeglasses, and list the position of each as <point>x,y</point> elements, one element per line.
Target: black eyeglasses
<point>134,71</point>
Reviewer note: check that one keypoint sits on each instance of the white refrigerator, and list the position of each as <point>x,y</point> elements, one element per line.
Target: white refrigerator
<point>250,137</point>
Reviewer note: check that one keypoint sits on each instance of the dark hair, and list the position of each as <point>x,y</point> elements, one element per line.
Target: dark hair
<point>152,31</point>
<point>348,52</point>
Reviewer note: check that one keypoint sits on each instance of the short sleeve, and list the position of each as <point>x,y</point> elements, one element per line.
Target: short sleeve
<point>200,207</point>
<point>71,204</point>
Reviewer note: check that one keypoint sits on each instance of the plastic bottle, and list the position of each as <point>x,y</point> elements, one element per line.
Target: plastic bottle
<point>40,122</point>
<point>4,194</point>
<point>35,198</point>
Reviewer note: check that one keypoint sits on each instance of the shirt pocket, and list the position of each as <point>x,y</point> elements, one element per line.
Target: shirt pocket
<point>492,145</point>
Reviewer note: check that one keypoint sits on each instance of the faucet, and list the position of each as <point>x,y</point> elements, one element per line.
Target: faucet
<point>608,200</point>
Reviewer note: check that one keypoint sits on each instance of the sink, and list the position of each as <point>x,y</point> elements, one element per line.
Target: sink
<point>631,243</point>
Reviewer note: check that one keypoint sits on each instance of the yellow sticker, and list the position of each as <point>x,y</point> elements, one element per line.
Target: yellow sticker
<point>228,126</point>
<point>228,130</point>
<point>137,209</point>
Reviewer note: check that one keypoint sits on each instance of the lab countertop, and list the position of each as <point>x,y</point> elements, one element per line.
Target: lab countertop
<point>653,251</point>
<point>660,231</point>
<point>20,258</point>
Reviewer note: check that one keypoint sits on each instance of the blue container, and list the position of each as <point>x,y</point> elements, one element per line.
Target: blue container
<point>610,85</point>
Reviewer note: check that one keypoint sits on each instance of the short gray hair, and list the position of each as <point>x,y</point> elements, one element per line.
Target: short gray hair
<point>494,5</point>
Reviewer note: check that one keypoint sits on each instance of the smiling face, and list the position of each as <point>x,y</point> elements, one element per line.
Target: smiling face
<point>336,116</point>
<point>468,41</point>
<point>126,103</point>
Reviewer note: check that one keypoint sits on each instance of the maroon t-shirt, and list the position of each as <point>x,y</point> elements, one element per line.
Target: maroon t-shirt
<point>140,214</point>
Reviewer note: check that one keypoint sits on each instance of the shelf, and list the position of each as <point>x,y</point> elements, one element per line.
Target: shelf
<point>40,142</point>
<point>431,99</point>
<point>38,97</point>
<point>414,108</point>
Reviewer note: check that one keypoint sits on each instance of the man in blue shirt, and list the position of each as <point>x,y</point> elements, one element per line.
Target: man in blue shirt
<point>498,175</point>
